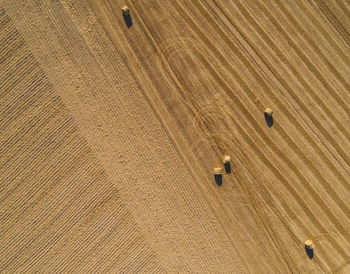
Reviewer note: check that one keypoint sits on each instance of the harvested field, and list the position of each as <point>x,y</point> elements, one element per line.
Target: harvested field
<point>111,128</point>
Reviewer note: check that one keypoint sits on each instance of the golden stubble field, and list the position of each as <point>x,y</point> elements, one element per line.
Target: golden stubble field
<point>109,134</point>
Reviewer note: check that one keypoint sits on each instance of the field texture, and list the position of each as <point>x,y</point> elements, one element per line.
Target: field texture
<point>110,127</point>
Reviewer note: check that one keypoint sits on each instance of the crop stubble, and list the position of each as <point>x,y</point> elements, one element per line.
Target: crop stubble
<point>188,83</point>
<point>59,212</point>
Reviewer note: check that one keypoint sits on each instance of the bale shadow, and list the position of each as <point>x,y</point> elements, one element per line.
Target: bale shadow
<point>309,252</point>
<point>127,20</point>
<point>218,179</point>
<point>269,120</point>
<point>227,167</point>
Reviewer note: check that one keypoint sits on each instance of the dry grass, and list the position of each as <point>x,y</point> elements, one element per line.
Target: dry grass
<point>110,133</point>
<point>59,212</point>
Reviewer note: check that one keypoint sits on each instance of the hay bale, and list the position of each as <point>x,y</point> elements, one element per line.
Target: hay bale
<point>227,163</point>
<point>217,171</point>
<point>268,111</point>
<point>309,244</point>
<point>126,10</point>
<point>226,159</point>
<point>218,175</point>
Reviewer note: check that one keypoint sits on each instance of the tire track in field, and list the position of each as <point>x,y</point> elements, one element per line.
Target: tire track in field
<point>170,46</point>
<point>333,20</point>
<point>143,81</point>
<point>151,39</point>
<point>273,76</point>
<point>278,102</point>
<point>332,217</point>
<point>255,192</point>
<point>166,49</point>
<point>223,138</point>
<point>171,57</point>
<point>52,189</point>
<point>312,68</point>
<point>215,145</point>
<point>318,26</point>
<point>269,143</point>
<point>281,79</point>
<point>296,149</point>
<point>164,60</point>
<point>301,31</point>
<point>343,7</point>
<point>251,191</point>
<point>318,200</point>
<point>284,217</point>
<point>166,45</point>
<point>291,216</point>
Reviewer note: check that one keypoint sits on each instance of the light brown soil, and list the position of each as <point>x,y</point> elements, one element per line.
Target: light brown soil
<point>109,136</point>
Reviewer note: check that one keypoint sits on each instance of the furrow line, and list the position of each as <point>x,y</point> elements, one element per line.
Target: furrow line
<point>332,19</point>
<point>284,134</point>
<point>310,65</point>
<point>285,84</point>
<point>274,76</point>
<point>315,21</point>
<point>265,139</point>
<point>178,84</point>
<point>278,102</point>
<point>298,174</point>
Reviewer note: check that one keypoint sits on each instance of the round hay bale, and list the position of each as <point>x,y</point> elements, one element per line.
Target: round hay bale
<point>217,170</point>
<point>268,111</point>
<point>125,10</point>
<point>309,244</point>
<point>226,159</point>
